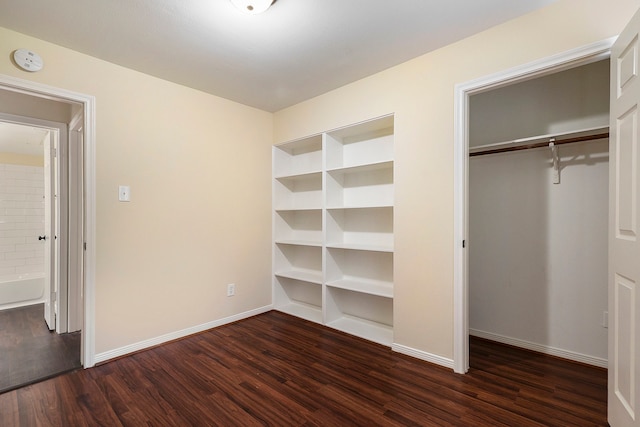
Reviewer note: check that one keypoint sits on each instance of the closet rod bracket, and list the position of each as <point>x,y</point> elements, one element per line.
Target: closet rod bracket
<point>556,160</point>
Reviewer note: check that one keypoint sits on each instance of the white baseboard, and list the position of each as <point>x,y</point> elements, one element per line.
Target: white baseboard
<point>122,351</point>
<point>423,355</point>
<point>552,351</point>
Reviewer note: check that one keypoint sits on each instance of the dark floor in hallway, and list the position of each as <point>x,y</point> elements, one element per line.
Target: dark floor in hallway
<point>29,352</point>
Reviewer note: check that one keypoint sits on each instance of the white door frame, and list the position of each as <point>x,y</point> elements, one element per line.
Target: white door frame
<point>89,137</point>
<point>563,61</point>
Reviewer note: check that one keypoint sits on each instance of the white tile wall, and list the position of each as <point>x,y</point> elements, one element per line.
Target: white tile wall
<point>21,219</point>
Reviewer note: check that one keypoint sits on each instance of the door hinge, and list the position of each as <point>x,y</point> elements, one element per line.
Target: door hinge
<point>464,244</point>
<point>84,245</point>
<point>54,296</point>
<point>54,151</point>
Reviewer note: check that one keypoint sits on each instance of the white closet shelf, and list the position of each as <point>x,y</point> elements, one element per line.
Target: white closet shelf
<point>319,209</point>
<point>372,331</point>
<point>291,206</point>
<point>309,276</point>
<point>313,143</point>
<point>524,142</point>
<point>310,175</point>
<point>360,206</point>
<point>302,310</point>
<point>371,287</point>
<point>333,201</point>
<point>362,168</point>
<point>360,247</point>
<point>298,242</point>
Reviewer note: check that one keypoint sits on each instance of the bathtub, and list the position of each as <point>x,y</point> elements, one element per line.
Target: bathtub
<point>21,289</point>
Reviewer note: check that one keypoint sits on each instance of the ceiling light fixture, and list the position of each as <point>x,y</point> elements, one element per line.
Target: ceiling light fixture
<point>252,7</point>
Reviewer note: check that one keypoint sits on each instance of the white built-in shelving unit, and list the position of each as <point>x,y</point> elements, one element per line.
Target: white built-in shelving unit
<point>333,197</point>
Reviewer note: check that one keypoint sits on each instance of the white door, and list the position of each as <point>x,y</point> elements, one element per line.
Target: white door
<point>49,237</point>
<point>624,246</point>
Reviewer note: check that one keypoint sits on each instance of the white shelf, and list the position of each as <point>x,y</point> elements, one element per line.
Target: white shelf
<point>358,265</point>
<point>299,192</point>
<point>309,175</point>
<point>539,138</point>
<point>362,168</point>
<point>365,143</point>
<point>361,205</point>
<point>305,311</point>
<point>372,331</point>
<point>366,315</point>
<point>298,157</point>
<point>333,197</point>
<point>360,247</point>
<point>355,208</point>
<point>295,210</point>
<point>309,276</point>
<point>360,229</point>
<point>299,242</point>
<point>298,297</point>
<point>360,186</point>
<point>298,205</point>
<point>371,287</point>
<point>298,227</point>
<point>297,258</point>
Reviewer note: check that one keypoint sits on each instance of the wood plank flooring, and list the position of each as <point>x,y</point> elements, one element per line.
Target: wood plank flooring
<point>29,351</point>
<point>274,369</point>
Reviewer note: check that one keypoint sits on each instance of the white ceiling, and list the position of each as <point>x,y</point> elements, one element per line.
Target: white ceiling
<point>296,50</point>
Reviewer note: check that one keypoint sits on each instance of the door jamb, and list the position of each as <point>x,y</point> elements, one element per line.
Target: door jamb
<point>75,213</point>
<point>559,62</point>
<point>89,165</point>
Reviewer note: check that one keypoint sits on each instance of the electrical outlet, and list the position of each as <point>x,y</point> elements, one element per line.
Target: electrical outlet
<point>231,290</point>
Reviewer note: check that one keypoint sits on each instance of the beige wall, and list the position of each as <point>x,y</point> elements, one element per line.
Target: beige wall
<point>199,168</point>
<point>199,171</point>
<point>421,93</point>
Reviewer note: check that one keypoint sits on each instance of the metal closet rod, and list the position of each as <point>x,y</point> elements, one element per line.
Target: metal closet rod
<point>542,144</point>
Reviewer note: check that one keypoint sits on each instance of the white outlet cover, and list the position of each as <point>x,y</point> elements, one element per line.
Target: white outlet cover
<point>28,60</point>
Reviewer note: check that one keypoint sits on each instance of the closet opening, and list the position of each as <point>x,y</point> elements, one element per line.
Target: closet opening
<point>538,200</point>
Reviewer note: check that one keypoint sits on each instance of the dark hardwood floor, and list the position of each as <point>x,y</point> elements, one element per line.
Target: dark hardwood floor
<point>274,369</point>
<point>29,352</point>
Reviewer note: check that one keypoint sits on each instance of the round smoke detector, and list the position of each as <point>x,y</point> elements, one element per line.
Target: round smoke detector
<point>28,60</point>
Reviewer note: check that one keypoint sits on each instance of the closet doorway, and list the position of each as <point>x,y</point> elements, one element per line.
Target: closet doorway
<point>463,92</point>
<point>538,213</point>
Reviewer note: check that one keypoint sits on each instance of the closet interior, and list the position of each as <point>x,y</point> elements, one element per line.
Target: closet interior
<point>538,213</point>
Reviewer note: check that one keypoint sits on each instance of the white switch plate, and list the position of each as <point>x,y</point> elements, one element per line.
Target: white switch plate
<point>124,193</point>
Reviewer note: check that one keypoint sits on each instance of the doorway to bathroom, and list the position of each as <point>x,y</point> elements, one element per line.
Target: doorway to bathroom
<point>40,285</point>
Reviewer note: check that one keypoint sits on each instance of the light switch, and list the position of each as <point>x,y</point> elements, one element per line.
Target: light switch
<point>124,193</point>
